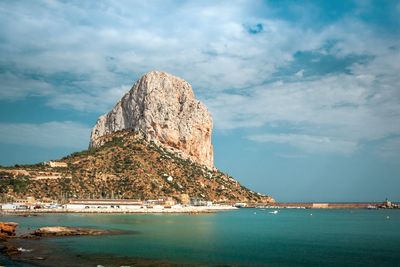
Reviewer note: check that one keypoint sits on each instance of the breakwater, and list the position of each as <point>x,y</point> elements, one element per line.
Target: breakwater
<point>328,205</point>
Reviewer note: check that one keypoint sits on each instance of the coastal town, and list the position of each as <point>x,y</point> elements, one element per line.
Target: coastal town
<point>163,205</point>
<point>160,205</point>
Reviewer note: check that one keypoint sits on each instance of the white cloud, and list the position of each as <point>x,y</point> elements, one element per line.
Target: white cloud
<point>109,44</point>
<point>104,46</point>
<point>299,74</point>
<point>206,43</point>
<point>316,101</point>
<point>345,108</point>
<point>15,87</point>
<point>308,143</point>
<point>65,134</point>
<point>85,102</point>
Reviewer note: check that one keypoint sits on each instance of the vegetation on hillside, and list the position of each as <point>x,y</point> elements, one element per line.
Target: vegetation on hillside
<point>127,166</point>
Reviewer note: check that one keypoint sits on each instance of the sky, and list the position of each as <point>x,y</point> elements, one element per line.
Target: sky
<point>304,95</point>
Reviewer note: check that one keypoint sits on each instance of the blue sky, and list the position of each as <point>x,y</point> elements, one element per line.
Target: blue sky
<point>304,94</point>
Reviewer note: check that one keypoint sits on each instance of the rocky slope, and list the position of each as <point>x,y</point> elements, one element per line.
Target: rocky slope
<point>127,165</point>
<point>162,107</point>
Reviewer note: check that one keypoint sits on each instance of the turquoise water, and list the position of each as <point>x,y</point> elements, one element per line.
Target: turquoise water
<point>244,237</point>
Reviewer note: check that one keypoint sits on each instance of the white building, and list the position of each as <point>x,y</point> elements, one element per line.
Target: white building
<point>98,204</point>
<point>14,206</point>
<point>56,164</point>
<point>8,206</point>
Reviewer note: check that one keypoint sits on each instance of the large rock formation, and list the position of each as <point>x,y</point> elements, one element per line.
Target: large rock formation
<point>163,108</point>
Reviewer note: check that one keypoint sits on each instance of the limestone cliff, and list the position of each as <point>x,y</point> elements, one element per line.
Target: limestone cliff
<point>163,108</point>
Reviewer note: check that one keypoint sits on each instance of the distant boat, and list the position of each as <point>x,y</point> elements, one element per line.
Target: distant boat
<point>274,212</point>
<point>371,207</point>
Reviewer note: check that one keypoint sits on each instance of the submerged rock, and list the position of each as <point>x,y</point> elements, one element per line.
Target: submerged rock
<point>9,250</point>
<point>67,231</point>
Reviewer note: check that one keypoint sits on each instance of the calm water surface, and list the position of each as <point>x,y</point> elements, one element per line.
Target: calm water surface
<point>246,237</point>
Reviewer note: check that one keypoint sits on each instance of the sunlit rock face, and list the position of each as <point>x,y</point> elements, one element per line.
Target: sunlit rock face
<point>164,109</point>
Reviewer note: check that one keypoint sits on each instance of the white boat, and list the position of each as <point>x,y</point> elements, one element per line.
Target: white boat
<point>274,212</point>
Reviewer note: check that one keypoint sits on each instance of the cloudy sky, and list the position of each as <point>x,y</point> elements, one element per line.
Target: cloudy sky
<point>304,94</point>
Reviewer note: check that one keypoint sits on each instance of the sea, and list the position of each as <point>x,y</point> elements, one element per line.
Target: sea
<point>244,237</point>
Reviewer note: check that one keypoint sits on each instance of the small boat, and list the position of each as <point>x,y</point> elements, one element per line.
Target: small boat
<point>274,212</point>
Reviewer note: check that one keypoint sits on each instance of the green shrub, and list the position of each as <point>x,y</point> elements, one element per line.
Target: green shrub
<point>17,184</point>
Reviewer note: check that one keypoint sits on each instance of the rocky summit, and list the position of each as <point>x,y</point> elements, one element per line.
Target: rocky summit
<point>164,109</point>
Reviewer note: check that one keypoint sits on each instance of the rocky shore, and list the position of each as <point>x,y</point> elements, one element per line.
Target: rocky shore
<point>7,230</point>
<point>28,248</point>
<point>12,245</point>
<point>53,231</point>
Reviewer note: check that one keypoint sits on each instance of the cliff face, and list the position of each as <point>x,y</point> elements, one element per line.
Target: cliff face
<point>163,108</point>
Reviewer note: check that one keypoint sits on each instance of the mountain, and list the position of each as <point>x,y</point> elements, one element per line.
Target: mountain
<point>155,142</point>
<point>164,108</point>
<point>127,165</point>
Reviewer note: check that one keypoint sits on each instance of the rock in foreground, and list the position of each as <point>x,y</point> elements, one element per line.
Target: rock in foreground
<point>52,231</point>
<point>7,229</point>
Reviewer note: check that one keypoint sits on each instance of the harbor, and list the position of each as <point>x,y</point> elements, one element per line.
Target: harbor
<point>325,205</point>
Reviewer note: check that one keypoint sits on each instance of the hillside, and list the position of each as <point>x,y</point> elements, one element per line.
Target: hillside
<point>125,166</point>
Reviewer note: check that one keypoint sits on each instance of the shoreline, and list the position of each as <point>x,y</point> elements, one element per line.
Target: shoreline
<point>197,209</point>
<point>183,210</point>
